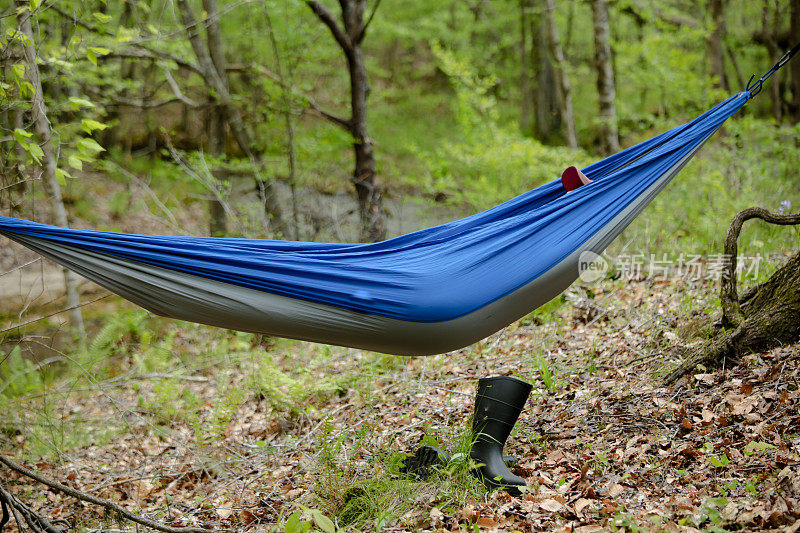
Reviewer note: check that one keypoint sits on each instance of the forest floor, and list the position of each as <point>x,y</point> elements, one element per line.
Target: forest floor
<point>237,432</point>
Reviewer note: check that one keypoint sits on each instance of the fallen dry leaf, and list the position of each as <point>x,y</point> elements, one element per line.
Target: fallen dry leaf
<point>224,511</point>
<point>486,522</point>
<point>588,529</point>
<point>551,505</point>
<point>581,504</point>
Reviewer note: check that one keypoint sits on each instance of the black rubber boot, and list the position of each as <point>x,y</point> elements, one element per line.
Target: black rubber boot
<point>498,404</point>
<point>427,459</point>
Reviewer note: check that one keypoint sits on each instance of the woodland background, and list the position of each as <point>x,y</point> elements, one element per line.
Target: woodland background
<point>363,120</point>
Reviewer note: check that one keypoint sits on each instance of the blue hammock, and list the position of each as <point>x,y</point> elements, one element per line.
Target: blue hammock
<point>430,291</point>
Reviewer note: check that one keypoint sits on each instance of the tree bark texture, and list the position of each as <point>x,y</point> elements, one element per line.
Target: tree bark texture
<point>50,181</point>
<point>349,36</point>
<point>562,78</point>
<point>525,56</point>
<point>548,111</point>
<point>732,315</point>
<point>767,316</point>
<point>794,66</point>
<point>716,47</point>
<point>606,90</point>
<point>216,125</point>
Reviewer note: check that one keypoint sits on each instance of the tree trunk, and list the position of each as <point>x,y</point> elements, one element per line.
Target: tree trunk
<point>606,91</point>
<point>219,85</point>
<point>794,66</point>
<point>526,90</point>
<point>562,78</point>
<point>548,110</point>
<point>216,127</point>
<point>216,124</point>
<point>19,122</point>
<point>716,48</point>
<point>349,37</point>
<point>370,196</point>
<point>214,38</point>
<point>773,50</point>
<point>50,181</point>
<point>285,79</point>
<point>767,316</point>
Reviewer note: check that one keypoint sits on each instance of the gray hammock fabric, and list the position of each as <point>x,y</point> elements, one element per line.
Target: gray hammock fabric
<point>427,292</point>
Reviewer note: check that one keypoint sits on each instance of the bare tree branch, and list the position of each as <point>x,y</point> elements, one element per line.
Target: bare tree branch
<point>20,182</point>
<point>152,56</point>
<point>327,18</point>
<point>731,312</point>
<point>670,18</point>
<point>111,506</point>
<point>36,522</point>
<point>144,104</point>
<point>369,21</point>
<point>177,90</point>
<point>70,308</point>
<point>315,108</point>
<point>214,80</point>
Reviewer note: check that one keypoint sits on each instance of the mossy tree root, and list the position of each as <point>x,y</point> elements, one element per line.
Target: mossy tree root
<point>767,316</point>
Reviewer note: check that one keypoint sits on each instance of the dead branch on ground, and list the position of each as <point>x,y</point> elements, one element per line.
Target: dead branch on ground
<point>767,316</point>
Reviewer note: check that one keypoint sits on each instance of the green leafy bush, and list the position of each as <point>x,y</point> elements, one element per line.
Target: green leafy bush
<point>486,162</point>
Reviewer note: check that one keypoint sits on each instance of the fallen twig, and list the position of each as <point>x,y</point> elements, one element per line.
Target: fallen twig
<point>31,321</point>
<point>121,511</point>
<point>35,521</point>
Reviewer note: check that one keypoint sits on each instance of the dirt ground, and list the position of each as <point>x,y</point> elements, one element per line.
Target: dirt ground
<point>602,444</point>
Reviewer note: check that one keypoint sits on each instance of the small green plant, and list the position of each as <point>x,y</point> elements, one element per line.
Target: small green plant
<point>754,447</point>
<point>115,338</point>
<point>710,517</point>
<point>20,375</point>
<point>171,402</point>
<point>545,373</point>
<point>286,392</point>
<point>303,520</point>
<point>717,461</point>
<point>591,366</point>
<point>365,489</point>
<point>626,522</point>
<point>214,427</point>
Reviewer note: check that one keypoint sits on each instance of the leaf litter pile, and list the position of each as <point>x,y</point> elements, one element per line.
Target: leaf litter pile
<point>237,432</point>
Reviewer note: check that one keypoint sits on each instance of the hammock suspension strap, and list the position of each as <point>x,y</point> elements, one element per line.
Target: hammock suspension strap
<point>754,87</point>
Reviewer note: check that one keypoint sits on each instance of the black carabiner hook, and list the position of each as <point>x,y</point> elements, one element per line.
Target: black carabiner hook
<point>755,87</point>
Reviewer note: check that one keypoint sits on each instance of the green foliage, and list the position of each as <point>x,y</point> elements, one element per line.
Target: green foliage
<point>754,447</point>
<point>72,119</point>
<point>305,519</point>
<point>287,393</point>
<point>362,486</point>
<point>487,163</point>
<point>752,162</point>
<point>213,429</point>
<point>545,373</point>
<point>20,375</point>
<point>122,336</point>
<point>172,402</point>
